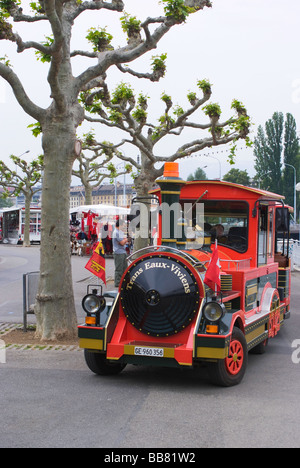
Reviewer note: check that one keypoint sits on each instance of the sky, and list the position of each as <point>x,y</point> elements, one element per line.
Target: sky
<point>247,49</point>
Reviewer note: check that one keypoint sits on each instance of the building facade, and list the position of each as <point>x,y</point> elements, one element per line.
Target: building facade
<point>107,194</point>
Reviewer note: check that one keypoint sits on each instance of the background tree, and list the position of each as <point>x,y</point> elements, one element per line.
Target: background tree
<point>123,110</point>
<point>199,174</point>
<point>94,169</point>
<point>55,308</point>
<point>291,158</point>
<point>273,148</point>
<point>24,182</point>
<point>237,176</point>
<point>267,151</point>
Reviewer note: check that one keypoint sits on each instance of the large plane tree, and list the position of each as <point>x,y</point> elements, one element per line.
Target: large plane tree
<point>198,125</point>
<point>55,308</point>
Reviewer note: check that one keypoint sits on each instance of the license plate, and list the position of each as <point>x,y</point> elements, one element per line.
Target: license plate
<point>143,351</point>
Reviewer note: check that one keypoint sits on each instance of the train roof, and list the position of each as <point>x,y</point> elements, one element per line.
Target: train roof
<point>233,188</point>
<point>223,189</point>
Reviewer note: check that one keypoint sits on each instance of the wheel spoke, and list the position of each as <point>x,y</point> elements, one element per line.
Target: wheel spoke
<point>235,359</point>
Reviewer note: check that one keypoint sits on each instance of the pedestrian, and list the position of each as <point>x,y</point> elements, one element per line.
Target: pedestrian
<point>119,248</point>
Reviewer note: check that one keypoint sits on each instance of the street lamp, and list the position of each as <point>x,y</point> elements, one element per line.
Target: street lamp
<point>209,156</point>
<point>295,213</point>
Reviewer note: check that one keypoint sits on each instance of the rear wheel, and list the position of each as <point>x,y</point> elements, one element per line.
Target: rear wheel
<point>231,370</point>
<point>98,364</point>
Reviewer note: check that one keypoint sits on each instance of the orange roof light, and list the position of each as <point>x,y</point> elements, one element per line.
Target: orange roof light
<point>171,169</point>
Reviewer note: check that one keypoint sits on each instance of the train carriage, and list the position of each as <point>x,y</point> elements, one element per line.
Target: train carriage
<point>166,313</point>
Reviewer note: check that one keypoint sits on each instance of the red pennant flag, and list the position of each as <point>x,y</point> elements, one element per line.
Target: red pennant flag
<point>96,263</point>
<point>212,275</point>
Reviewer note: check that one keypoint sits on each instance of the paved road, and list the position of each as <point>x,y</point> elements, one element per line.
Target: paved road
<point>17,260</point>
<point>51,399</point>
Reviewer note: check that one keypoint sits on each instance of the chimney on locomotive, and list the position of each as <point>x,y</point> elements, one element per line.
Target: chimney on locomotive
<point>172,221</point>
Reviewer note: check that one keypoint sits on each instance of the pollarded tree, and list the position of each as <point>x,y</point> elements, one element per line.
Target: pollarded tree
<point>121,109</point>
<point>94,168</point>
<point>55,308</point>
<point>25,182</point>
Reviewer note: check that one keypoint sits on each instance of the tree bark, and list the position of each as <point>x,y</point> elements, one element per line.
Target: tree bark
<point>26,241</point>
<point>143,183</point>
<point>55,307</point>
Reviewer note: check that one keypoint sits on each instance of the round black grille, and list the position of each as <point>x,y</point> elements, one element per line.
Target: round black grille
<point>159,295</point>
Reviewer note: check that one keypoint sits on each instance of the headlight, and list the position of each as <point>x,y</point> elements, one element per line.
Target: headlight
<point>93,304</point>
<point>213,311</point>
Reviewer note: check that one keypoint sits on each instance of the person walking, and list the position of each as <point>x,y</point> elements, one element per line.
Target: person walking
<point>119,248</point>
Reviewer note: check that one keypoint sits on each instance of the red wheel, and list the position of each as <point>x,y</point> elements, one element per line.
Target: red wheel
<point>231,370</point>
<point>235,359</point>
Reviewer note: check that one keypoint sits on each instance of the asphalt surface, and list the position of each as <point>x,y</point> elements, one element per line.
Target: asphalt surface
<point>15,261</point>
<point>51,399</point>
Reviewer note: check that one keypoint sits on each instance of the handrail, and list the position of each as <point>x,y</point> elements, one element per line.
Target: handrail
<point>163,248</point>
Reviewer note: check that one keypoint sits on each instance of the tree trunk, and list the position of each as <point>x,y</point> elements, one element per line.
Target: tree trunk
<point>143,183</point>
<point>26,241</point>
<point>55,307</point>
<point>88,198</point>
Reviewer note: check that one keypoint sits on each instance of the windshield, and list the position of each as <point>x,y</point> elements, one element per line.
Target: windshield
<point>226,221</point>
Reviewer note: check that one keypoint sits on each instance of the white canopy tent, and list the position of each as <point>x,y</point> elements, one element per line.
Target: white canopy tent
<point>100,210</point>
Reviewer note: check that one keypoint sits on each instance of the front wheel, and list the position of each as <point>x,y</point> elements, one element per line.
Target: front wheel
<point>98,364</point>
<point>231,370</point>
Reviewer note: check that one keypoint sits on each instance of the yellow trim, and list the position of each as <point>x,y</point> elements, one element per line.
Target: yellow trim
<point>251,290</point>
<point>169,240</point>
<point>212,353</point>
<point>88,343</point>
<point>170,192</point>
<point>171,181</point>
<point>116,302</point>
<point>255,333</point>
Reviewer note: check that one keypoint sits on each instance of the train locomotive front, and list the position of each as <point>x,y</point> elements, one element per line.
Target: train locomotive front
<point>164,314</point>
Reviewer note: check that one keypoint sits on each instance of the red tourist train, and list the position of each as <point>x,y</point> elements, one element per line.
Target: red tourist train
<point>166,313</point>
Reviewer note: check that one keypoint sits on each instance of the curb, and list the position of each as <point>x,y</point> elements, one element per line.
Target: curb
<point>6,328</point>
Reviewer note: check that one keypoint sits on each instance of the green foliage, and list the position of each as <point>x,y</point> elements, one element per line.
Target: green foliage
<point>238,106</point>
<point>45,58</point>
<point>115,117</point>
<point>212,110</point>
<point>36,129</point>
<point>94,106</point>
<point>142,100</point>
<point>166,99</point>
<point>205,86</point>
<point>100,39</point>
<point>237,176</point>
<point>192,97</point>
<point>6,31</point>
<point>199,174</point>
<point>89,138</point>
<point>140,115</point>
<point>159,62</point>
<point>122,94</point>
<point>178,111</point>
<point>6,61</point>
<point>177,10</point>
<point>36,7</point>
<point>7,5</point>
<point>130,24</point>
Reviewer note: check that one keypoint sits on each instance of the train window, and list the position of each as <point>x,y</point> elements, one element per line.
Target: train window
<point>227,221</point>
<point>263,235</point>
